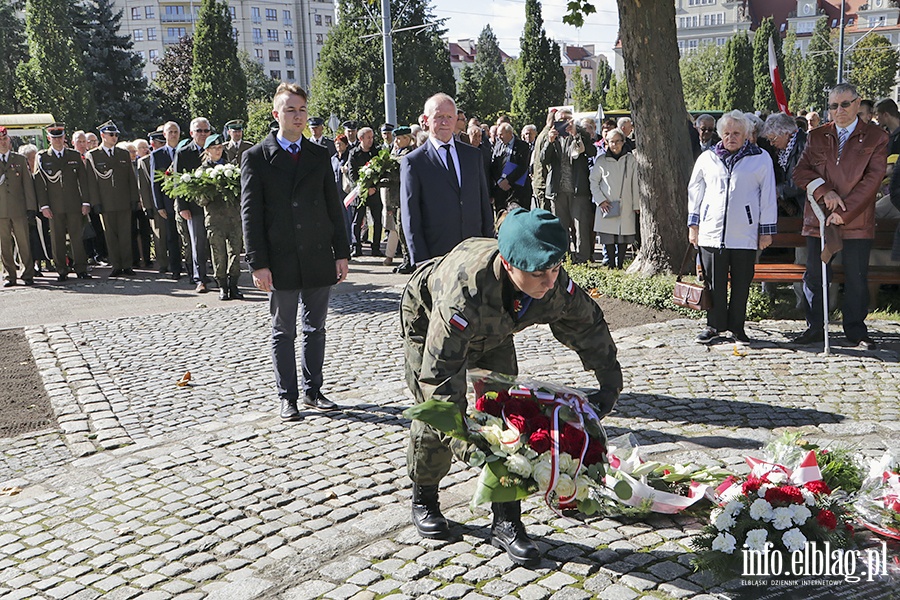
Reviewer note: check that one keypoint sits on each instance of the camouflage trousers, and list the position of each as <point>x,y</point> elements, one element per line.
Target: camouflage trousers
<point>226,241</point>
<point>430,452</point>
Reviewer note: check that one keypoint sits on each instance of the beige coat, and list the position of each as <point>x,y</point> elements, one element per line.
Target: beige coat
<point>613,180</point>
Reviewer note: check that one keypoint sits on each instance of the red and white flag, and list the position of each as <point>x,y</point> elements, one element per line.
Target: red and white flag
<point>775,76</point>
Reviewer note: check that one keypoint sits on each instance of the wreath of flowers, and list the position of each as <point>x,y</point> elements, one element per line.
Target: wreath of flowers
<point>377,171</point>
<point>203,185</point>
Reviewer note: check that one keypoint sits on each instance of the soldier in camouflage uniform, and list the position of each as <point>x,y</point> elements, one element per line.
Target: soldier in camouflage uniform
<point>461,311</point>
<point>223,228</point>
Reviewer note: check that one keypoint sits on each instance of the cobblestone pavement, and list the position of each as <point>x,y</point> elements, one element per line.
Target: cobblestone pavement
<point>154,491</point>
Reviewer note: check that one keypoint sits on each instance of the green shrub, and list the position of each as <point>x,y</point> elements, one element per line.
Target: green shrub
<point>655,291</point>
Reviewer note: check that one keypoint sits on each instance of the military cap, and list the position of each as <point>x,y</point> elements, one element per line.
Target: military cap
<point>108,127</point>
<point>350,125</point>
<point>56,130</point>
<point>387,127</point>
<point>213,140</point>
<point>316,121</point>
<point>156,135</point>
<point>402,130</point>
<point>532,240</point>
<point>234,124</point>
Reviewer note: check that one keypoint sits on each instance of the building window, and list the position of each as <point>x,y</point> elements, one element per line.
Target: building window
<point>138,35</point>
<point>174,13</point>
<point>234,33</point>
<point>257,36</point>
<point>154,54</point>
<point>254,14</point>
<point>275,73</point>
<point>319,39</point>
<point>274,56</point>
<point>288,36</point>
<point>176,33</point>
<point>328,21</point>
<point>150,12</point>
<point>259,55</point>
<point>272,35</point>
<point>287,17</point>
<point>136,14</point>
<point>290,75</point>
<point>271,14</point>
<point>233,12</point>
<point>721,41</point>
<point>318,20</point>
<point>151,34</point>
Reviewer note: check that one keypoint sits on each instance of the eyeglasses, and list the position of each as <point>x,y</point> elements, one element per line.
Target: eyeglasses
<point>707,129</point>
<point>110,133</point>
<point>844,104</point>
<point>202,130</point>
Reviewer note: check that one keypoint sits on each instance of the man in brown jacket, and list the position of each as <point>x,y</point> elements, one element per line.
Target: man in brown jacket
<point>17,205</point>
<point>842,166</point>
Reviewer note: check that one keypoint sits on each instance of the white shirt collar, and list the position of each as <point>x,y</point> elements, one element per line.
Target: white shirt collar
<point>851,127</point>
<point>284,143</point>
<point>438,143</point>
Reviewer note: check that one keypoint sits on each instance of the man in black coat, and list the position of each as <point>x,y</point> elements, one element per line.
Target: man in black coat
<point>296,243</point>
<point>509,170</point>
<point>187,160</point>
<point>160,160</point>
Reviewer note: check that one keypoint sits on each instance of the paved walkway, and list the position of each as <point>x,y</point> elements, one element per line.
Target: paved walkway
<point>153,491</point>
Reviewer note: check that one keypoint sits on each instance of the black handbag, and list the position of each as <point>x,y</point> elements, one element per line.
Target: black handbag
<point>692,295</point>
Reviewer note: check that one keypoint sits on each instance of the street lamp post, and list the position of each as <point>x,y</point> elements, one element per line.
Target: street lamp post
<point>840,66</point>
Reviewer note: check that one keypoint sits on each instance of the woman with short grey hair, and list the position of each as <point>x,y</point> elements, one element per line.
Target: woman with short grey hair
<point>788,141</point>
<point>756,126</point>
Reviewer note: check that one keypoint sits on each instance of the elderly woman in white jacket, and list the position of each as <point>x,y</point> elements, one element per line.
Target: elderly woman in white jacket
<point>614,189</point>
<point>732,213</point>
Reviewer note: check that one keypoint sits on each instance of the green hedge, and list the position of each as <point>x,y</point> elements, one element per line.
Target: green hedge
<point>655,292</point>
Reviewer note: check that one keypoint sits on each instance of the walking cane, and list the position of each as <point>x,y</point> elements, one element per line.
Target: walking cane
<point>820,215</point>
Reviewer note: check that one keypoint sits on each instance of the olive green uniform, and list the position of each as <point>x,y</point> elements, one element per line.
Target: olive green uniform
<point>225,235</point>
<point>457,312</point>
<point>233,151</point>
<point>17,200</point>
<point>114,188</point>
<point>61,184</point>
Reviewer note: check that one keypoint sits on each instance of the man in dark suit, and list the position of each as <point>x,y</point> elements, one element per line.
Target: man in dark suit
<point>160,160</point>
<point>60,183</point>
<point>443,188</point>
<point>317,127</point>
<point>187,159</point>
<point>296,243</point>
<point>113,187</point>
<point>158,223</point>
<point>18,206</point>
<point>509,167</point>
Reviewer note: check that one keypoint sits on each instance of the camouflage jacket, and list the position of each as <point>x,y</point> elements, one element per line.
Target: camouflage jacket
<point>458,311</point>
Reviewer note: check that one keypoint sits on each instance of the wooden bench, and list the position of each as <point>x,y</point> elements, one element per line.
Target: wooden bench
<point>788,236</point>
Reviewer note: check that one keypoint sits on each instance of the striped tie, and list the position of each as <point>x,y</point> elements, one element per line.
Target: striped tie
<point>843,134</point>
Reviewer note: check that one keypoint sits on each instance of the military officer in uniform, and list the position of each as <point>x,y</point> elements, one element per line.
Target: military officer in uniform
<point>236,144</point>
<point>461,310</point>
<point>18,205</point>
<point>350,129</point>
<point>223,228</point>
<point>317,127</point>
<point>113,186</point>
<point>61,186</point>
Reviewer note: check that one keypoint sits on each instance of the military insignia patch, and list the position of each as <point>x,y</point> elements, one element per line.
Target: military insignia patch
<point>458,322</point>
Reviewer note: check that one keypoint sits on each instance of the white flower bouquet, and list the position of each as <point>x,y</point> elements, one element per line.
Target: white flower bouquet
<point>878,502</point>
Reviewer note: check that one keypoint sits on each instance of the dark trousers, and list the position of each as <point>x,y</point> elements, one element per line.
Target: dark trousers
<point>140,237</point>
<point>718,263</point>
<point>173,241</point>
<point>313,306</point>
<point>375,207</point>
<point>855,305</point>
<point>199,244</point>
<point>95,247</point>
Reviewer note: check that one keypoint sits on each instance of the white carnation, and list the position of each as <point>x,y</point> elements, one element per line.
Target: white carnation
<point>808,497</point>
<point>734,508</point>
<point>186,177</point>
<point>518,464</point>
<point>756,539</point>
<point>219,168</point>
<point>724,521</point>
<point>761,510</point>
<point>724,542</point>
<point>793,540</point>
<point>198,172</point>
<point>800,513</point>
<point>782,518</point>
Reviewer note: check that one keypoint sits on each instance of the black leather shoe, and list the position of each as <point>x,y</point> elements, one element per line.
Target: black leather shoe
<point>223,293</point>
<point>508,533</point>
<point>357,252</point>
<point>176,275</point>
<point>289,410</point>
<point>84,275</point>
<point>320,402</point>
<point>405,269</point>
<point>62,277</point>
<point>9,283</point>
<point>116,272</point>
<point>28,281</point>
<point>426,512</point>
<point>128,271</point>
<point>235,293</point>
<point>376,252</point>
<point>866,343</point>
<point>810,336</point>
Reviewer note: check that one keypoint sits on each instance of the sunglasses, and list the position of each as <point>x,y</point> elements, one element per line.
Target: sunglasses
<point>111,133</point>
<point>707,129</point>
<point>202,130</point>
<point>844,104</point>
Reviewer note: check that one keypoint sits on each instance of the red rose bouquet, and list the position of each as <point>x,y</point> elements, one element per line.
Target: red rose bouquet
<point>878,502</point>
<point>528,437</point>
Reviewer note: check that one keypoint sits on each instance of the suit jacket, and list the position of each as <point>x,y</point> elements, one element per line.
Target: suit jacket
<point>60,183</point>
<point>327,143</point>
<point>293,221</point>
<point>855,176</point>
<point>111,180</point>
<point>438,212</point>
<point>17,195</point>
<point>234,151</point>
<point>521,154</point>
<point>160,161</point>
<point>145,185</point>
<point>187,158</point>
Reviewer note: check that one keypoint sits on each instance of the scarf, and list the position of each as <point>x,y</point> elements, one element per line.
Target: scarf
<point>730,159</point>
<point>784,154</point>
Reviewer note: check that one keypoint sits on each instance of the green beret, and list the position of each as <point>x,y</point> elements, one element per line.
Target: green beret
<point>532,240</point>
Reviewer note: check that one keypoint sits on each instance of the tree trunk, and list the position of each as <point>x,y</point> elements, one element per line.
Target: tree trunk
<point>647,31</point>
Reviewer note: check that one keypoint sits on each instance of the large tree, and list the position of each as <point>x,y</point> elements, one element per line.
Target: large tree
<point>701,77</point>
<point>617,96</point>
<point>793,70</point>
<point>12,40</point>
<point>115,73</point>
<point>218,86</point>
<point>763,94</point>
<point>349,76</point>
<point>819,68</point>
<point>872,67</point>
<point>52,80</point>
<point>541,81</point>
<point>467,91</point>
<point>492,93</point>
<point>737,76</point>
<point>173,81</point>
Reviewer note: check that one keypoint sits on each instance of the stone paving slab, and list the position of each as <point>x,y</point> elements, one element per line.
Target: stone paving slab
<point>150,490</point>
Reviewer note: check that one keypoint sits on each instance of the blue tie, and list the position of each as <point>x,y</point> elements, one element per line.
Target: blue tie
<point>843,134</point>
<point>294,149</point>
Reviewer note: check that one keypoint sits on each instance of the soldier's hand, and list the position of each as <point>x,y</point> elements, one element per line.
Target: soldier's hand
<point>162,212</point>
<point>47,213</point>
<point>694,235</point>
<point>85,209</point>
<point>186,215</point>
<point>262,279</point>
<point>603,400</point>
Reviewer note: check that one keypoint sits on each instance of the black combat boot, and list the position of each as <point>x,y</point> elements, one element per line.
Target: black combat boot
<point>426,512</point>
<point>233,291</point>
<point>223,289</point>
<point>508,532</point>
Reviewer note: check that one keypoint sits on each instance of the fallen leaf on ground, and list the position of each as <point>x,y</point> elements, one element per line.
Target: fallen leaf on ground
<point>10,490</point>
<point>184,379</point>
